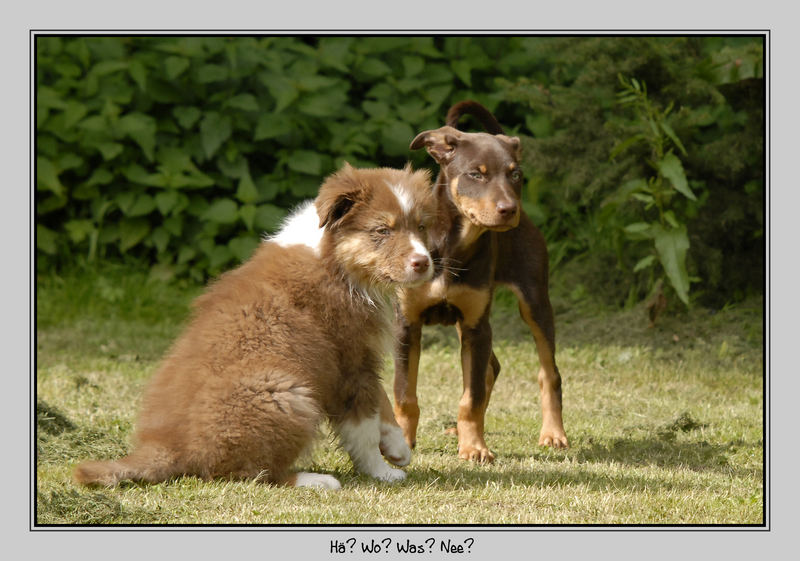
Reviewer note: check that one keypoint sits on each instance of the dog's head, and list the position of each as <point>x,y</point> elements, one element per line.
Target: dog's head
<point>482,171</point>
<point>375,224</point>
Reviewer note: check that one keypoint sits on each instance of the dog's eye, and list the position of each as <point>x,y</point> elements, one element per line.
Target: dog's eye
<point>421,227</point>
<point>516,175</point>
<point>476,175</point>
<point>382,231</point>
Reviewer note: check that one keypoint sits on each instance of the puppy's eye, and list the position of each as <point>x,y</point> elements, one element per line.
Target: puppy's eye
<point>476,175</point>
<point>382,231</point>
<point>516,175</point>
<point>421,227</point>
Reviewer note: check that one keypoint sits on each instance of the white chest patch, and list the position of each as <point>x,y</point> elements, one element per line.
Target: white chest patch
<point>300,228</point>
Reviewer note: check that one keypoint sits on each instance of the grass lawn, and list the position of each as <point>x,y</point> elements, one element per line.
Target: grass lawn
<point>665,423</point>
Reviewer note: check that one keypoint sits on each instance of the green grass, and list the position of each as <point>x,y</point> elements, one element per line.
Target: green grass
<point>665,423</point>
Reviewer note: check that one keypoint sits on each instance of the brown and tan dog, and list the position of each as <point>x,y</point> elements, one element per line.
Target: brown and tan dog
<point>481,239</point>
<point>290,338</point>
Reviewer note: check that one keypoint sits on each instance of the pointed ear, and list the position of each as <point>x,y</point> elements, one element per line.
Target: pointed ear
<point>337,196</point>
<point>440,143</point>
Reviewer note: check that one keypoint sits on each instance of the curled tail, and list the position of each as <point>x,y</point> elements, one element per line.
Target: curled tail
<point>476,110</point>
<point>137,466</point>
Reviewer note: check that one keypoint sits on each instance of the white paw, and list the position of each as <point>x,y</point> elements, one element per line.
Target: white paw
<point>393,446</point>
<point>320,480</point>
<point>389,474</point>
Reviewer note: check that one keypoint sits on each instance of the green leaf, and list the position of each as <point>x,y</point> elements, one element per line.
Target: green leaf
<point>214,130</point>
<point>395,138</point>
<point>219,256</point>
<point>211,73</point>
<point>138,72</point>
<point>669,216</point>
<point>268,218</point>
<point>377,109</point>
<point>413,65</point>
<point>166,201</point>
<point>175,65</point>
<point>222,211</point>
<point>282,89</point>
<point>78,230</point>
<point>109,150</point>
<point>186,116</point>
<point>325,104</point>
<point>186,254</point>
<point>374,67</point>
<point>243,247</point>
<point>142,206</point>
<point>248,214</point>
<point>73,113</point>
<point>47,177</point>
<point>142,129</point>
<point>305,161</point>
<point>644,263</point>
<point>246,191</point>
<point>671,246</point>
<point>131,232</point>
<point>160,238</point>
<point>246,102</point>
<point>671,168</point>
<point>100,176</point>
<point>624,145</point>
<point>672,136</point>
<point>463,70</point>
<point>46,240</point>
<point>272,125</point>
<point>639,230</point>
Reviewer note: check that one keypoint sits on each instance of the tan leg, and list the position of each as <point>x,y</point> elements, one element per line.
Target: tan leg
<point>552,433</point>
<point>478,379</point>
<point>406,368</point>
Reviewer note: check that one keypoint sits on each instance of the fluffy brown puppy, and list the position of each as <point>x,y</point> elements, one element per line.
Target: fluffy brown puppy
<point>293,336</point>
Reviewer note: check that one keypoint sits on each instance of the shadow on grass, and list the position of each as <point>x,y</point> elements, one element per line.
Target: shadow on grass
<point>548,476</point>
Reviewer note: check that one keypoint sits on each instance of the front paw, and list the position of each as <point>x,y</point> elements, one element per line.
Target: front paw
<point>553,438</point>
<point>388,474</point>
<point>393,446</point>
<point>479,454</point>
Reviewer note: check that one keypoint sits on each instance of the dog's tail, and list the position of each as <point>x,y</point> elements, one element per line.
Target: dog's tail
<point>478,111</point>
<point>142,465</point>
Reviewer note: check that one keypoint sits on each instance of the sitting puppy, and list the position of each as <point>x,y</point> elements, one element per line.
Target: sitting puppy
<point>291,337</point>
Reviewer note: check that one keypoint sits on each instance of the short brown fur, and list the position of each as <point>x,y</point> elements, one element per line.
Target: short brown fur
<point>277,345</point>
<point>483,239</point>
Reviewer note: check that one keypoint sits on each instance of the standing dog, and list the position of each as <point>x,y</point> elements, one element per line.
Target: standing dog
<point>481,239</point>
<point>293,336</point>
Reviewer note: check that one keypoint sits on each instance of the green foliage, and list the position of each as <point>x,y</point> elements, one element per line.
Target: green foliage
<point>184,150</point>
<point>665,231</point>
<point>706,99</point>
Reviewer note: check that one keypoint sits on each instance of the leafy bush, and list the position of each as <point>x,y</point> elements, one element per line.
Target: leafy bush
<point>182,151</point>
<point>581,167</point>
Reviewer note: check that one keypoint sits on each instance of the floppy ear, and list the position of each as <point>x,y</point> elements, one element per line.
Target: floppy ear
<point>441,143</point>
<point>512,142</point>
<point>340,192</point>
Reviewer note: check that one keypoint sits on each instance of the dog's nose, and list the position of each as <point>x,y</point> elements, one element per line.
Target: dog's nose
<point>506,208</point>
<point>419,263</point>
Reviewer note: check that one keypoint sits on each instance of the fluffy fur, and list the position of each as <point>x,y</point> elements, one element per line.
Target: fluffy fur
<point>288,339</point>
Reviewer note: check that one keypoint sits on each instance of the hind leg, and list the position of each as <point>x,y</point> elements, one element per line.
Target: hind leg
<point>360,433</point>
<point>538,315</point>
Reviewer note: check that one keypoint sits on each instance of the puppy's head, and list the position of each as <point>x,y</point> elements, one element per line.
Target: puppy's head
<point>482,171</point>
<point>375,224</point>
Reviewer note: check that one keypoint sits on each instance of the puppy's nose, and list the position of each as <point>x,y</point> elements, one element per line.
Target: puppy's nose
<point>506,208</point>
<point>419,263</point>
